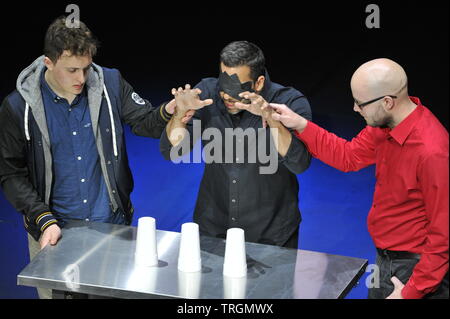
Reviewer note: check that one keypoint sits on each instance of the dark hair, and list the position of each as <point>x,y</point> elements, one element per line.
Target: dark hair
<point>241,53</point>
<point>79,41</point>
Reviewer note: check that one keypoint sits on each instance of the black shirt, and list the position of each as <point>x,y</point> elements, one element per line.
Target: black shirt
<point>235,193</point>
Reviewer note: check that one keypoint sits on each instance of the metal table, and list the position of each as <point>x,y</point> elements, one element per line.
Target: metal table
<point>98,259</point>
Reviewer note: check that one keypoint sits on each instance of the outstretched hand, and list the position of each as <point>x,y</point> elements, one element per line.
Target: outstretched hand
<point>258,106</point>
<point>287,117</point>
<point>188,99</point>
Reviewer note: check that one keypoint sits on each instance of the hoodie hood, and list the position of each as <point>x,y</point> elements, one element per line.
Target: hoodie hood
<point>28,82</point>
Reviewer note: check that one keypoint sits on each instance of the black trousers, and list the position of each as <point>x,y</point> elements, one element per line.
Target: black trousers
<point>402,269</point>
<point>292,242</point>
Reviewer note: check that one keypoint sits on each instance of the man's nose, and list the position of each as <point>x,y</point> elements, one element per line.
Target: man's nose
<point>81,77</point>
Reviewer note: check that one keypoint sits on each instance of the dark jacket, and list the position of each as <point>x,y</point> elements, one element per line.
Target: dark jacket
<point>25,152</point>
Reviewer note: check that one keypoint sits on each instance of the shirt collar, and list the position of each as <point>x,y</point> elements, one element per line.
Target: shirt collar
<point>401,132</point>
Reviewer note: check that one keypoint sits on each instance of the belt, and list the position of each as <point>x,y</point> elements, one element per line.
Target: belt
<point>391,254</point>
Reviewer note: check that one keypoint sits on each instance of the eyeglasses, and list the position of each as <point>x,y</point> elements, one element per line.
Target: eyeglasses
<point>361,105</point>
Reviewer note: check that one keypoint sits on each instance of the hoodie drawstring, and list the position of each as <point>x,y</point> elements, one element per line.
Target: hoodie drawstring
<point>27,133</point>
<point>113,127</point>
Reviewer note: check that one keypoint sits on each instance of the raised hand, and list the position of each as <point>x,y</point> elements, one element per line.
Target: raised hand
<point>258,106</point>
<point>188,99</point>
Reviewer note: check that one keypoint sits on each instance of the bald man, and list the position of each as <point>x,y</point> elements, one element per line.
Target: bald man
<point>408,220</point>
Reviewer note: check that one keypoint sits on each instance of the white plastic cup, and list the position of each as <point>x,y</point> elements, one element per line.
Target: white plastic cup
<point>234,288</point>
<point>189,284</point>
<point>146,253</point>
<point>189,259</point>
<point>235,262</point>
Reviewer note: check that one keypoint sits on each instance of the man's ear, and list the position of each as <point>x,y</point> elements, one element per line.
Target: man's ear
<point>260,83</point>
<point>388,104</point>
<point>48,63</point>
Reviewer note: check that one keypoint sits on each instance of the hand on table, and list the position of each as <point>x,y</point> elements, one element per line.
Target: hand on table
<point>50,236</point>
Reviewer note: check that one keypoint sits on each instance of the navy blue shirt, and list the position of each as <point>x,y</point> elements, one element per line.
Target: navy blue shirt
<point>79,190</point>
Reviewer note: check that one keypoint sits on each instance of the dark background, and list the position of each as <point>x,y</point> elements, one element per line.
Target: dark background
<point>314,48</point>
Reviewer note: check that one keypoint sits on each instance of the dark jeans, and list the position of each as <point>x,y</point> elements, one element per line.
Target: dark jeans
<point>402,269</point>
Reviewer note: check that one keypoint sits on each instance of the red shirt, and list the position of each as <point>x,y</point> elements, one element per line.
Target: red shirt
<point>410,205</point>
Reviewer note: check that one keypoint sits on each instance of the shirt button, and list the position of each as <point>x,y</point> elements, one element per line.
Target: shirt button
<point>107,130</point>
<point>113,191</point>
<point>70,110</point>
<point>83,180</point>
<point>233,201</point>
<point>79,158</point>
<point>87,219</point>
<point>74,133</point>
<point>233,219</point>
<point>109,163</point>
<point>85,201</point>
<point>234,181</point>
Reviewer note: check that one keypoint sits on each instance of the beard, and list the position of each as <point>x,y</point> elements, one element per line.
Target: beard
<point>385,122</point>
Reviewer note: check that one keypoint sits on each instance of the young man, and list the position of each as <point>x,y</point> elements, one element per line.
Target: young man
<point>408,220</point>
<point>235,190</point>
<point>62,145</point>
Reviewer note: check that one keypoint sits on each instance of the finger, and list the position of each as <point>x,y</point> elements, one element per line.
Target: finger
<point>207,102</point>
<point>250,95</point>
<point>242,106</point>
<point>54,240</point>
<point>186,119</point>
<point>187,86</point>
<point>174,91</point>
<point>190,113</point>
<point>180,90</point>
<point>198,91</point>
<point>397,283</point>
<point>244,93</point>
<point>44,242</point>
<point>277,107</point>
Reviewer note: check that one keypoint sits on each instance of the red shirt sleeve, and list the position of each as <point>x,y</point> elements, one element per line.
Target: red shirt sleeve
<point>433,175</point>
<point>337,152</point>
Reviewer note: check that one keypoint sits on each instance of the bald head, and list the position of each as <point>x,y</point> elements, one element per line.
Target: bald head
<point>379,77</point>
